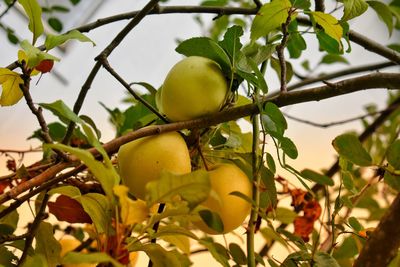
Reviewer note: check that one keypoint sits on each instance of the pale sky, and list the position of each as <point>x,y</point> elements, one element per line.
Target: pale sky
<point>146,55</point>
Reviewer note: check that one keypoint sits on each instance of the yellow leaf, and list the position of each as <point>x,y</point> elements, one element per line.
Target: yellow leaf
<point>330,25</point>
<point>23,56</point>
<point>180,241</point>
<point>10,82</point>
<point>132,211</point>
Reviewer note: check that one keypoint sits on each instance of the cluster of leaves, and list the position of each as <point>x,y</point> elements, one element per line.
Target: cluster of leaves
<point>121,224</point>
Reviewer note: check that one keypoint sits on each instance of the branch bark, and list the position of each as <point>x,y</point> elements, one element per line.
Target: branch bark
<point>375,80</point>
<point>384,242</point>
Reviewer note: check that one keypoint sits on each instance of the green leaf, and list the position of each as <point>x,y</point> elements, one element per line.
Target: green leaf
<point>355,224</point>
<point>353,8</point>
<point>231,42</point>
<point>330,25</point>
<point>55,24</point>
<point>284,215</point>
<point>270,17</point>
<point>35,260</point>
<point>328,44</point>
<point>62,111</point>
<point>276,65</point>
<point>205,47</point>
<point>296,44</point>
<point>268,179</point>
<point>47,245</point>
<point>273,120</point>
<point>347,249</point>
<point>35,55</point>
<point>104,173</point>
<point>392,180</point>
<point>57,40</point>
<point>193,187</point>
<point>270,163</point>
<point>97,257</point>
<point>350,148</point>
<point>288,147</point>
<point>34,13</point>
<point>317,177</point>
<point>384,13</point>
<point>393,154</point>
<point>172,229</point>
<point>8,223</point>
<point>11,91</point>
<point>332,58</point>
<point>7,257</point>
<point>218,251</point>
<point>212,220</point>
<point>161,257</point>
<point>238,254</point>
<point>99,210</point>
<point>348,182</point>
<point>323,259</point>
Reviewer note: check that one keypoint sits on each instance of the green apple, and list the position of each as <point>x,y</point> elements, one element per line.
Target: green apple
<point>193,88</point>
<point>142,160</point>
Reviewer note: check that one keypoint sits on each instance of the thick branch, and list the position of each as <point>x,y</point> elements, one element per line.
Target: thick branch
<point>376,80</point>
<point>384,242</point>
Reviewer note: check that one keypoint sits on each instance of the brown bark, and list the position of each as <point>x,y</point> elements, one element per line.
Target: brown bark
<point>384,242</point>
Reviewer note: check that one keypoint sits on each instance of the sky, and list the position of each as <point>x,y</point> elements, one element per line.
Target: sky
<point>147,54</point>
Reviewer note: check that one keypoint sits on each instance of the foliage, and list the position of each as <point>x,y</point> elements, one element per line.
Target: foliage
<point>78,180</point>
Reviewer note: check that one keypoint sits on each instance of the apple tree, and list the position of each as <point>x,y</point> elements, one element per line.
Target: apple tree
<point>182,170</point>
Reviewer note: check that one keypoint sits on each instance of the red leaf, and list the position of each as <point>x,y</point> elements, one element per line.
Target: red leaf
<point>303,227</point>
<point>45,65</point>
<point>312,210</point>
<point>298,198</point>
<point>4,184</point>
<point>69,210</point>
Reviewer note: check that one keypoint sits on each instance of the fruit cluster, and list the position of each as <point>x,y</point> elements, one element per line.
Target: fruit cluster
<point>194,87</point>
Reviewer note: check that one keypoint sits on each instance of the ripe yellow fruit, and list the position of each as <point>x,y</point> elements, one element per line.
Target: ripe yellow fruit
<point>233,210</point>
<point>193,88</point>
<point>142,160</point>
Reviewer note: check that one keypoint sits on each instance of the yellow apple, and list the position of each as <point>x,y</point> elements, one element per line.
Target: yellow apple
<point>233,210</point>
<point>193,88</point>
<point>142,160</point>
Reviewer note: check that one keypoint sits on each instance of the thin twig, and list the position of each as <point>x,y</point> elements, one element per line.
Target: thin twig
<point>8,8</point>
<point>335,123</point>
<point>44,186</point>
<point>280,49</point>
<point>33,229</point>
<point>257,3</point>
<point>104,54</point>
<point>107,66</point>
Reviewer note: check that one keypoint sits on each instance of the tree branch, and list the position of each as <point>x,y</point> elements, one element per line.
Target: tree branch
<point>335,123</point>
<point>346,71</point>
<point>33,229</point>
<point>375,80</point>
<point>384,241</point>
<point>104,54</point>
<point>365,42</point>
<point>107,66</point>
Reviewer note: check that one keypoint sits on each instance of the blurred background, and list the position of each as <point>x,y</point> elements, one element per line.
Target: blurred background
<point>147,54</point>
